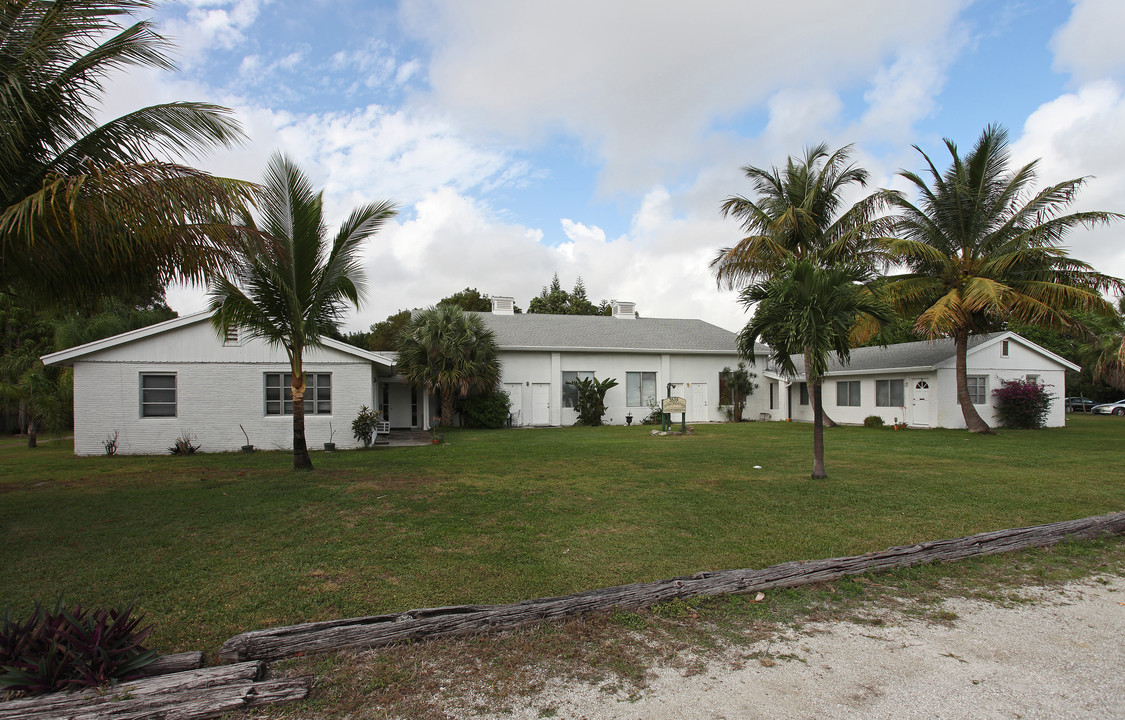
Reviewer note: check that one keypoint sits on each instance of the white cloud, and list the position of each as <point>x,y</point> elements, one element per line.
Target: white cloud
<point>1089,45</point>
<point>210,23</point>
<point>1079,135</point>
<point>643,83</point>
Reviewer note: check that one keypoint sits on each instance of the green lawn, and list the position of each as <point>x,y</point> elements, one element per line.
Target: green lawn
<point>217,544</point>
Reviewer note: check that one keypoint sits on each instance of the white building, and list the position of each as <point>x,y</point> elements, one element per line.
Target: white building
<point>178,377</point>
<point>153,385</point>
<point>651,358</point>
<point>916,384</point>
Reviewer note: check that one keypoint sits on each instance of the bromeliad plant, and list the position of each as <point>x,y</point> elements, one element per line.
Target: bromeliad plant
<point>63,649</point>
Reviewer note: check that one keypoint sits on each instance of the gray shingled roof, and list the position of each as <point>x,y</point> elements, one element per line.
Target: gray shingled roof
<point>926,353</point>
<point>574,332</point>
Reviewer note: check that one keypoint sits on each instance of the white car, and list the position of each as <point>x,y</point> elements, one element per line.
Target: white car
<point>1113,408</point>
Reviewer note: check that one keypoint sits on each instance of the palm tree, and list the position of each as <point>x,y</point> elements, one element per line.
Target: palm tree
<point>982,249</point>
<point>805,309</point>
<point>294,295</point>
<point>446,350</point>
<point>85,206</point>
<point>799,214</point>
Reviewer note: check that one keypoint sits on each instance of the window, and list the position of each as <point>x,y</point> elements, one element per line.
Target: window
<point>158,395</point>
<point>847,393</point>
<point>773,396</point>
<point>279,394</point>
<point>569,392</point>
<point>888,393</point>
<point>978,389</point>
<point>1033,378</point>
<point>640,389</point>
<point>1004,348</point>
<point>804,393</point>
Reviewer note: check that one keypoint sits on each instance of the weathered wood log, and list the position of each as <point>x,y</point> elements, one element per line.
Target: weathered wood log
<point>377,630</point>
<point>196,704</point>
<point>177,662</point>
<point>187,695</point>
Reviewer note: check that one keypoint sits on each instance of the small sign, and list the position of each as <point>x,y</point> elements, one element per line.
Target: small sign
<point>675,405</point>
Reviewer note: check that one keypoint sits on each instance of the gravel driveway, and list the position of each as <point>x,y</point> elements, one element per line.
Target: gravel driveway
<point>1060,657</point>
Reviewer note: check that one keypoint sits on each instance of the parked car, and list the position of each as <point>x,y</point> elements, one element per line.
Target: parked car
<point>1113,408</point>
<point>1079,404</point>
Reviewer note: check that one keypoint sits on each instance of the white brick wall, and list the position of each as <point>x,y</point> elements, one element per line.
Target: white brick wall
<point>212,399</point>
<point>218,387</point>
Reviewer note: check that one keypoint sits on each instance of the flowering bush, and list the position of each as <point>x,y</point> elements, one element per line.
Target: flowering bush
<point>1022,403</point>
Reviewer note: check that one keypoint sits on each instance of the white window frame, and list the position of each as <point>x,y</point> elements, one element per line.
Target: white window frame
<point>978,389</point>
<point>638,393</point>
<point>849,391</point>
<point>318,394</point>
<point>1003,348</point>
<point>890,393</point>
<point>144,404</point>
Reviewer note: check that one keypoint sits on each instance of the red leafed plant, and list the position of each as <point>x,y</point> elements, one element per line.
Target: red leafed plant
<point>1022,404</point>
<point>64,649</point>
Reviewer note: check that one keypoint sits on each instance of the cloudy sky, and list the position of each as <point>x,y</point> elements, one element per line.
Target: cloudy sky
<point>598,139</point>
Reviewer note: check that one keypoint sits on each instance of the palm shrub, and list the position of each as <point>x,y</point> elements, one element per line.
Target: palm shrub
<point>1022,404</point>
<point>449,351</point>
<point>591,399</point>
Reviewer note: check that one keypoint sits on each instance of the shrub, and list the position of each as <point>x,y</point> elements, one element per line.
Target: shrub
<point>1022,404</point>
<point>655,415</point>
<point>110,443</point>
<point>185,445</point>
<point>487,410</point>
<point>736,386</point>
<point>591,399</point>
<point>873,421</point>
<point>59,649</point>
<point>363,427</point>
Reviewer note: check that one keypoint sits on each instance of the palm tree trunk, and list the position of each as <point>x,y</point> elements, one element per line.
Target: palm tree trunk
<point>818,471</point>
<point>973,420</point>
<point>32,433</point>
<point>814,392</point>
<point>447,408</point>
<point>301,459</point>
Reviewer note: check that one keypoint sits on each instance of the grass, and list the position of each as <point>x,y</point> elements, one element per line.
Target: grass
<point>213,545</point>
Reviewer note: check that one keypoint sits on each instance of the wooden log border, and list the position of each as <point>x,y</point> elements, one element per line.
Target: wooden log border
<point>186,695</point>
<point>377,630</point>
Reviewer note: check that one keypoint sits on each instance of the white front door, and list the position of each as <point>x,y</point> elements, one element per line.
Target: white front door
<point>541,404</point>
<point>920,402</point>
<point>697,403</point>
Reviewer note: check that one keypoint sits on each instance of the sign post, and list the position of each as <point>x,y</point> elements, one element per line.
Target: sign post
<point>674,405</point>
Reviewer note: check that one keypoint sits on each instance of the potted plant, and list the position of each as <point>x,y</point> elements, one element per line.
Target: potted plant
<point>330,446</point>
<point>247,448</point>
<point>436,436</point>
